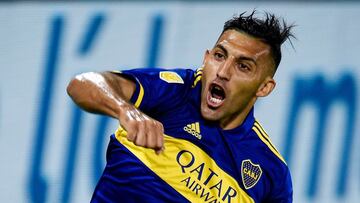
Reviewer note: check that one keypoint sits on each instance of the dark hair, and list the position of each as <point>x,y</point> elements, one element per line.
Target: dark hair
<point>272,30</point>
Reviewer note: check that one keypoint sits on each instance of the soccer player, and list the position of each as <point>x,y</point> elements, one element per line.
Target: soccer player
<point>191,136</point>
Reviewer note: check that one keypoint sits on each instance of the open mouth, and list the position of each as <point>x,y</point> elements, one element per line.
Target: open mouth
<point>216,96</point>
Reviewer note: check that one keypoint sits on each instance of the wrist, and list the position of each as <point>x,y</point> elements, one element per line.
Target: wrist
<point>122,107</point>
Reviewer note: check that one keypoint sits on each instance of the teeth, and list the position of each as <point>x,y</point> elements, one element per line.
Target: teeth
<point>215,100</point>
<point>217,88</point>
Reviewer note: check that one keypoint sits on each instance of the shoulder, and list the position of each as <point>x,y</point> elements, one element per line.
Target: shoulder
<point>189,77</point>
<point>266,154</point>
<point>274,168</point>
<point>170,76</point>
<point>159,90</point>
<point>170,79</point>
<point>266,144</point>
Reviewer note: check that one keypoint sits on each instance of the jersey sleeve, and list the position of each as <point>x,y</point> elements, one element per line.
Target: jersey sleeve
<point>283,192</point>
<point>159,90</point>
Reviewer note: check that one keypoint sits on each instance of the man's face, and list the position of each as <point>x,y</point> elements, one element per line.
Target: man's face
<point>236,71</point>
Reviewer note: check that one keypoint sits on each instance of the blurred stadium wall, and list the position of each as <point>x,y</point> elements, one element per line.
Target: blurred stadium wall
<point>50,151</point>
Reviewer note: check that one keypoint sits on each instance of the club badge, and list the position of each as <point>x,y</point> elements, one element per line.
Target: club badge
<point>250,173</point>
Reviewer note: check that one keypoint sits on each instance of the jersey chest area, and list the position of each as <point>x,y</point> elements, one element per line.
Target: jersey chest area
<point>234,156</point>
<point>185,122</point>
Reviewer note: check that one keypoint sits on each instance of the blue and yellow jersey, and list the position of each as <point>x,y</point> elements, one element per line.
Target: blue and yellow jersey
<point>201,161</point>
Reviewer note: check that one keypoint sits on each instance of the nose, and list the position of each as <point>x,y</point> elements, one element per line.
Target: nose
<point>224,71</point>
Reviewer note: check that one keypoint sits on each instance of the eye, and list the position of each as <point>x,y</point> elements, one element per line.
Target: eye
<point>219,56</point>
<point>244,67</point>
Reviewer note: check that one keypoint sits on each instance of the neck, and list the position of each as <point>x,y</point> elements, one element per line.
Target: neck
<point>237,119</point>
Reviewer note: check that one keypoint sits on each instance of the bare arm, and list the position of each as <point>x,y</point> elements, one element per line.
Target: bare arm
<point>103,93</point>
<point>109,94</point>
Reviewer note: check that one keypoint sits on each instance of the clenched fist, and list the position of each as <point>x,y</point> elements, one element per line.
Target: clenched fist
<point>141,129</point>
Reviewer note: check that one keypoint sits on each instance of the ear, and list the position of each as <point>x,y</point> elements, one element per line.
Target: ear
<point>206,54</point>
<point>266,87</point>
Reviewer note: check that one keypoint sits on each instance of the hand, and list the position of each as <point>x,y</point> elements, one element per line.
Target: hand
<point>141,129</point>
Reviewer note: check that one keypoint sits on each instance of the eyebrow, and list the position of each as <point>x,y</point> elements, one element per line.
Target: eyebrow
<point>239,58</point>
<point>222,48</point>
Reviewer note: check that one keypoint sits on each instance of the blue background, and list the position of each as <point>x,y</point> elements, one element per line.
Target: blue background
<point>51,151</point>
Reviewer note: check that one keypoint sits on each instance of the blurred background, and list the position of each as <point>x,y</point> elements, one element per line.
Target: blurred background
<point>50,151</point>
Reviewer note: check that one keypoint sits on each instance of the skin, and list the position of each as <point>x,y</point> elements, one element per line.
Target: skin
<point>107,93</point>
<point>240,64</point>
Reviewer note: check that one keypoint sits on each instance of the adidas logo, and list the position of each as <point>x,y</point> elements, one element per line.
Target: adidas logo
<point>193,129</point>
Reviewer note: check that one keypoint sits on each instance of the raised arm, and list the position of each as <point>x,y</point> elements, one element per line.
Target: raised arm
<point>109,93</point>
<point>105,93</point>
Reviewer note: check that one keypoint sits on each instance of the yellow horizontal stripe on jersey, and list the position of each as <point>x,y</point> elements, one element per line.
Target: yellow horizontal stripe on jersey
<point>198,71</point>
<point>257,131</point>
<point>197,76</point>
<point>197,79</point>
<point>140,96</point>
<point>189,170</point>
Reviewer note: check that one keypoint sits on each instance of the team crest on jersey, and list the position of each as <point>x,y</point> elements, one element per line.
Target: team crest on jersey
<point>250,173</point>
<point>193,129</point>
<point>171,77</point>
